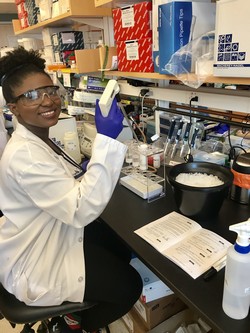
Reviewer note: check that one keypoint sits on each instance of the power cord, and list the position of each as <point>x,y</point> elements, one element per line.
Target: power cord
<point>143,94</point>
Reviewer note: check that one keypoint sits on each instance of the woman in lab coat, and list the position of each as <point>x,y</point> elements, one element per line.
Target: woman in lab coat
<point>52,247</point>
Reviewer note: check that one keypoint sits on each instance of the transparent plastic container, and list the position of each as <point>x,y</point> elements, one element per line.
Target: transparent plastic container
<point>236,294</point>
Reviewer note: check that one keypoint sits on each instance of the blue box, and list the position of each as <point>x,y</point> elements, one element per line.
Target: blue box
<point>179,23</point>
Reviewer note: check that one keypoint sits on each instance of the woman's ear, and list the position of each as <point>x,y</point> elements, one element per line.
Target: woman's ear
<point>13,108</point>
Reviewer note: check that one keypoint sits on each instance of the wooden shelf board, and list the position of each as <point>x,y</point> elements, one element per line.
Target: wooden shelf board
<point>115,3</point>
<point>157,76</point>
<point>61,20</point>
<point>77,10</point>
<point>103,2</point>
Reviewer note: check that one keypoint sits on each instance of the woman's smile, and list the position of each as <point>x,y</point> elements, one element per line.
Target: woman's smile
<point>48,114</point>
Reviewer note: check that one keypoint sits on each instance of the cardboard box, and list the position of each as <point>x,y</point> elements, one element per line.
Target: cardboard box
<point>92,60</point>
<point>179,23</point>
<point>232,49</point>
<point>155,312</point>
<point>135,55</point>
<point>67,40</point>
<point>184,317</point>
<point>134,323</point>
<point>133,22</point>
<point>153,287</point>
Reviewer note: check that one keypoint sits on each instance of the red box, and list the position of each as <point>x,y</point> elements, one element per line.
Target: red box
<point>135,55</point>
<point>133,22</point>
<point>17,2</point>
<point>24,22</point>
<point>21,10</point>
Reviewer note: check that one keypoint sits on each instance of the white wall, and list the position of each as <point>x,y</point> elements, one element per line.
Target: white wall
<point>8,37</point>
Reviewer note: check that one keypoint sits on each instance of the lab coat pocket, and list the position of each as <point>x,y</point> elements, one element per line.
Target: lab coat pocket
<point>33,294</point>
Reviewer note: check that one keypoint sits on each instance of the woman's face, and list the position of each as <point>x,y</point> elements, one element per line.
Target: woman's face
<point>42,113</point>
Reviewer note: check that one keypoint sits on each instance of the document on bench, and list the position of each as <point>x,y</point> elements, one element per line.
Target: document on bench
<point>185,242</point>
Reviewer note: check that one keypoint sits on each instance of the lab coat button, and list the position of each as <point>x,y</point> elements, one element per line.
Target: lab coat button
<point>80,279</point>
<point>80,239</point>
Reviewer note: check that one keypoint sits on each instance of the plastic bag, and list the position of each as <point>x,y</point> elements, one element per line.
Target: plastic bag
<point>193,63</point>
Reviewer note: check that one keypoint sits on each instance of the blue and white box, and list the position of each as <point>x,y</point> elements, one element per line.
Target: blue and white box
<point>153,287</point>
<point>232,48</point>
<point>179,23</point>
<point>155,48</point>
<point>155,11</point>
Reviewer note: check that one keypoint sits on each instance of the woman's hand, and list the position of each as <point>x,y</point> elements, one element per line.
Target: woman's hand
<point>112,124</point>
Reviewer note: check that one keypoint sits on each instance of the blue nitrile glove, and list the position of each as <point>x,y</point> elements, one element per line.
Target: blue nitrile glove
<point>112,124</point>
<point>84,165</point>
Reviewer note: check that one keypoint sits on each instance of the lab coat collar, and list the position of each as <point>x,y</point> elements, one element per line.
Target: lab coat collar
<point>27,134</point>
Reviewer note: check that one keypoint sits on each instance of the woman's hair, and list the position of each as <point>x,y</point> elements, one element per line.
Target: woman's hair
<point>15,66</point>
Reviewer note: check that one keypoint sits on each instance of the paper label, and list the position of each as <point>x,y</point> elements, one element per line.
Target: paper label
<point>55,40</point>
<point>66,80</point>
<point>68,38</point>
<point>132,52</point>
<point>128,17</point>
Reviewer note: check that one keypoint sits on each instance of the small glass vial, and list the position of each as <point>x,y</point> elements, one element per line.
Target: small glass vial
<point>157,161</point>
<point>135,157</point>
<point>129,153</point>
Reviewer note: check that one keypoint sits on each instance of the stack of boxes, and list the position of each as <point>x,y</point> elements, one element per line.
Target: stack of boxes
<point>65,43</point>
<point>47,42</point>
<point>133,36</point>
<point>156,304</point>
<point>145,48</point>
<point>31,12</point>
<point>28,12</point>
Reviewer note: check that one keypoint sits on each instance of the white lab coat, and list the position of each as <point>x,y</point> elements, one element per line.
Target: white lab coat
<point>45,211</point>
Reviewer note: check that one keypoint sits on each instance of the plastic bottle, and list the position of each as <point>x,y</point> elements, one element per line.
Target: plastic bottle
<point>236,294</point>
<point>71,145</point>
<point>73,64</point>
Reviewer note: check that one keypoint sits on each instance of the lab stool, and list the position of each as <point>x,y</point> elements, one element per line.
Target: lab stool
<point>17,312</point>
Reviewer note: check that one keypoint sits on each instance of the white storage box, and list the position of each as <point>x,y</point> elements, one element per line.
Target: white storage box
<point>153,287</point>
<point>232,48</point>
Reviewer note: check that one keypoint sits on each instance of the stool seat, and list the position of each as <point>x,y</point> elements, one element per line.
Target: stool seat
<point>18,312</point>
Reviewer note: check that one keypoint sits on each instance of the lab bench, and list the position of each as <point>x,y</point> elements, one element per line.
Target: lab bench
<point>127,212</point>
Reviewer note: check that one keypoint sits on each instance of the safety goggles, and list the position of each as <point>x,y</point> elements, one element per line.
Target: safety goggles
<point>36,96</point>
